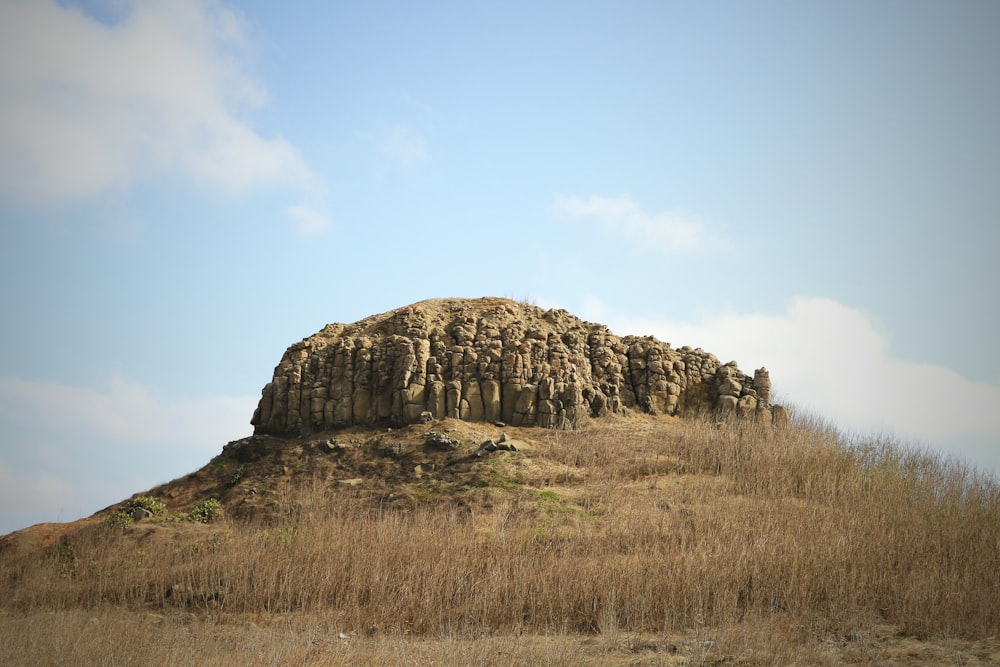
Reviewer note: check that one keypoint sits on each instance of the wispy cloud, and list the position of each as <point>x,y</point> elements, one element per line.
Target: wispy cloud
<point>307,221</point>
<point>126,411</point>
<point>832,359</point>
<point>89,108</point>
<point>668,233</point>
<point>403,145</point>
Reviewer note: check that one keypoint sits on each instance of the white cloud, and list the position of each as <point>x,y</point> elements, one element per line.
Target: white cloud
<point>403,145</point>
<point>307,221</point>
<point>667,233</point>
<point>68,451</point>
<point>127,412</point>
<point>87,108</point>
<point>831,359</point>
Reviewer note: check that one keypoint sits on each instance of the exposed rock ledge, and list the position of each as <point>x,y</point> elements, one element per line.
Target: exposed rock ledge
<point>495,360</point>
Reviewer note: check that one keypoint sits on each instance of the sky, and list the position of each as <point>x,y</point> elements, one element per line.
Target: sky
<point>187,188</point>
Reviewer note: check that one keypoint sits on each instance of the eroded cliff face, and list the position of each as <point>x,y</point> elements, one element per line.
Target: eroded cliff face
<point>495,360</point>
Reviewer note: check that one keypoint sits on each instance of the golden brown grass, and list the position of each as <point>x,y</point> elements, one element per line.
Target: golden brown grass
<point>662,541</point>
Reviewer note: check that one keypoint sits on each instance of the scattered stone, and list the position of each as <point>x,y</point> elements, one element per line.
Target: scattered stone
<point>426,417</point>
<point>332,445</point>
<point>489,445</point>
<point>140,513</point>
<point>442,441</point>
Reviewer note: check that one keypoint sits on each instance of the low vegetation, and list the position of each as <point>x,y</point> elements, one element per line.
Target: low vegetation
<point>138,506</point>
<point>206,511</point>
<point>631,541</point>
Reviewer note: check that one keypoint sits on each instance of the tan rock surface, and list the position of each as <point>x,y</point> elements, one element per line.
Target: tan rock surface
<point>491,359</point>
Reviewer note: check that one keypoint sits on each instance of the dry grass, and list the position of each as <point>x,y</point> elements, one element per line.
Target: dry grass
<point>631,541</point>
<point>112,637</point>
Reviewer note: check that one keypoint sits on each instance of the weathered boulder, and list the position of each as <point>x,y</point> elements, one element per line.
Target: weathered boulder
<point>762,385</point>
<point>779,416</point>
<point>140,513</point>
<point>442,441</point>
<point>493,359</point>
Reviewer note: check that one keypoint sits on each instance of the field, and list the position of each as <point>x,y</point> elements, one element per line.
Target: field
<point>630,541</point>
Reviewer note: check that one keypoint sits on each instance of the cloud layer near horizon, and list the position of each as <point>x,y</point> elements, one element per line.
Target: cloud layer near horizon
<point>126,411</point>
<point>831,359</point>
<point>78,449</point>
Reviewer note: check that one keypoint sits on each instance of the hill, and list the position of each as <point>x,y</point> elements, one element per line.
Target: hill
<point>615,536</point>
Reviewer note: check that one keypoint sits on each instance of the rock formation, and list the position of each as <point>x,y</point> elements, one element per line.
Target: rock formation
<point>495,360</point>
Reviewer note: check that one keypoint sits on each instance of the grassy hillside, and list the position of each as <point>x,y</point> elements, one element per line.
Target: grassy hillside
<point>634,540</point>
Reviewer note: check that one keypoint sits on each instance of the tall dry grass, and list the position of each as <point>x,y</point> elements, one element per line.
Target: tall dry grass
<point>631,526</point>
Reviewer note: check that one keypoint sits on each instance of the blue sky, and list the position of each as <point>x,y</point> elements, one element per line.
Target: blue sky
<point>186,188</point>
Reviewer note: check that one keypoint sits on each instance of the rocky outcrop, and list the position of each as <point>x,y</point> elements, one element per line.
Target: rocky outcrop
<point>493,359</point>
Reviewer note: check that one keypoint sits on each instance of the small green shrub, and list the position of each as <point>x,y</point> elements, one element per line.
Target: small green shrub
<point>148,503</point>
<point>125,516</point>
<point>68,560</point>
<point>237,476</point>
<point>206,511</point>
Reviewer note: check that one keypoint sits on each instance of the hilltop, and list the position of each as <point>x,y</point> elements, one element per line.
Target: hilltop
<point>619,502</point>
<point>494,359</point>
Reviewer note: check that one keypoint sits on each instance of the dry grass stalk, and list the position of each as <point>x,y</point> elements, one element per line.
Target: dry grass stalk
<point>628,528</point>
